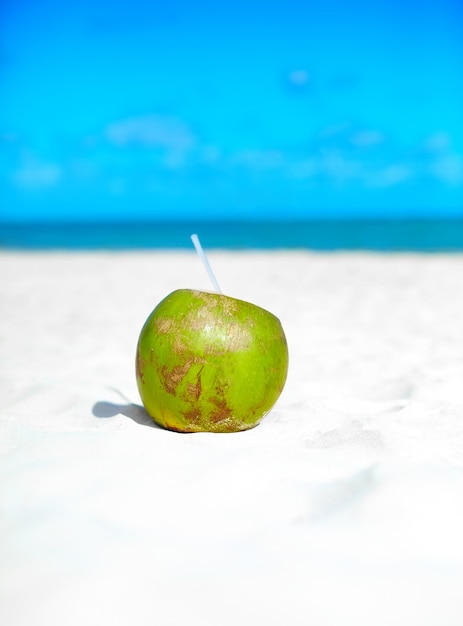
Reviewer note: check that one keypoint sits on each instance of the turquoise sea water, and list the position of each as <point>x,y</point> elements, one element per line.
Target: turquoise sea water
<point>405,235</point>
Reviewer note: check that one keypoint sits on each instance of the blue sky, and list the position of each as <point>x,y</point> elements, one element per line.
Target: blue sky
<point>202,110</point>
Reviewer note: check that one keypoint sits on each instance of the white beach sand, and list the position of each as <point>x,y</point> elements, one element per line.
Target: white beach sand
<point>345,506</point>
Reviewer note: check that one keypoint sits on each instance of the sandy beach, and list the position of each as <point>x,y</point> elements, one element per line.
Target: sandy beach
<point>344,506</point>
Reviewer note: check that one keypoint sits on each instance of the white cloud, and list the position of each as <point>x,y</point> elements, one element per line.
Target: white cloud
<point>37,174</point>
<point>449,169</point>
<point>298,78</point>
<point>438,142</point>
<point>340,168</point>
<point>166,132</point>
<point>391,175</point>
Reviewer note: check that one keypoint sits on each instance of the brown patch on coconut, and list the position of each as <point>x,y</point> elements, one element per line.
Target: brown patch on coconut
<point>139,366</point>
<point>221,409</point>
<point>193,415</point>
<point>163,325</point>
<point>194,390</point>
<point>172,378</point>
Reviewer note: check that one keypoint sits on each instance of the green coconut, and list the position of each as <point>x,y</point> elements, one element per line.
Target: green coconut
<point>209,362</point>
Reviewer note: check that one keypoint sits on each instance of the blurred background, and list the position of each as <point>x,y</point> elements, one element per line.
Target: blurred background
<point>251,111</point>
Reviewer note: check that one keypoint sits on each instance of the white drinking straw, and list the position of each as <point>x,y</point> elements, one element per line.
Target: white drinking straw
<point>202,254</point>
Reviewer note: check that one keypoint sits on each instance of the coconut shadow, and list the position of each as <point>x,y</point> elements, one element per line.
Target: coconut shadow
<point>135,412</point>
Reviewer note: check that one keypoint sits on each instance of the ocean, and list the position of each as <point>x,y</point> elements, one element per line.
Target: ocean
<point>330,235</point>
